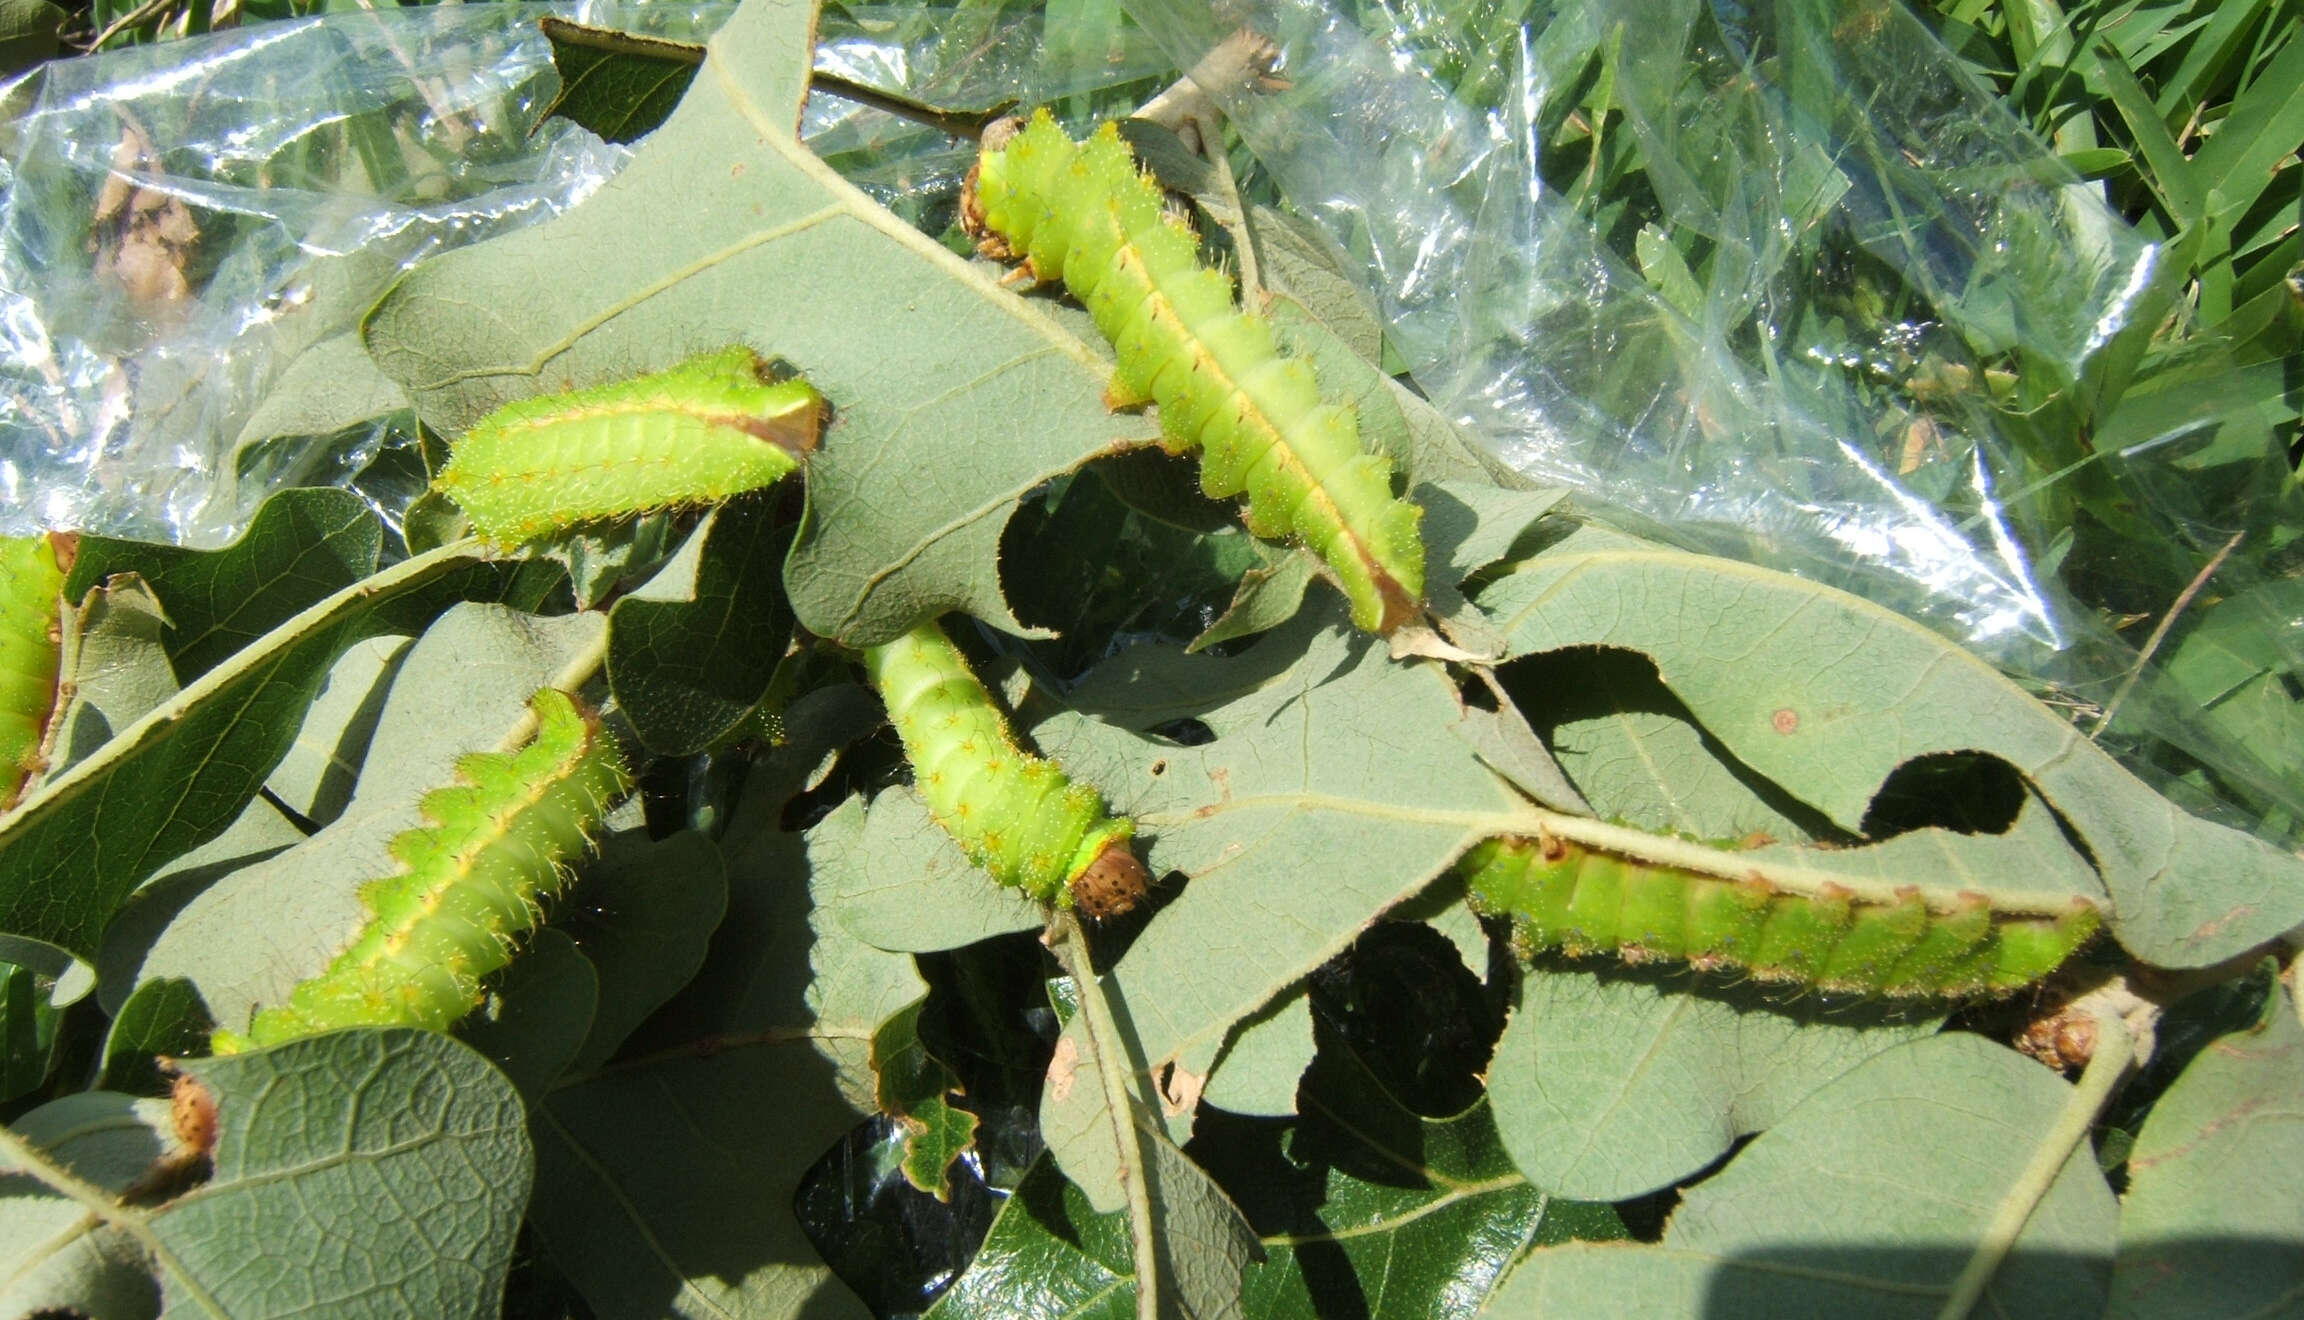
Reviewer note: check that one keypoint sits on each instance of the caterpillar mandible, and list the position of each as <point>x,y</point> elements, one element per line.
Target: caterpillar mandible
<point>712,427</point>
<point>32,570</point>
<point>471,884</point>
<point>1015,815</point>
<point>1084,213</point>
<point>1560,894</point>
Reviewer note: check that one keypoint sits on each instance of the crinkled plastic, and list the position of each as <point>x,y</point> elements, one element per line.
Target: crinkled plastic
<point>1765,407</point>
<point>184,220</point>
<point>186,223</point>
<point>1708,417</point>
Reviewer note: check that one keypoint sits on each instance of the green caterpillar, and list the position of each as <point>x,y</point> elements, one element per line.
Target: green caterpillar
<point>1014,814</point>
<point>1084,213</point>
<point>470,886</point>
<point>1559,894</point>
<point>32,572</point>
<point>712,427</point>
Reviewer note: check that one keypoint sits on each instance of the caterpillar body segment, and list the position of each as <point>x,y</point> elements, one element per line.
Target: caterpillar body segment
<point>31,649</point>
<point>1559,894</point>
<point>713,427</point>
<point>1084,214</point>
<point>472,882</point>
<point>1017,816</point>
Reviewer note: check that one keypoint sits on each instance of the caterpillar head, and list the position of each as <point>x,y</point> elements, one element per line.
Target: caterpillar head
<point>994,140</point>
<point>1111,884</point>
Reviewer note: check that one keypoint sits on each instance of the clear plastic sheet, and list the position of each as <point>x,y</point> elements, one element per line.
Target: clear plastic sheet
<point>183,220</point>
<point>184,223</point>
<point>1515,319</point>
<point>1761,408</point>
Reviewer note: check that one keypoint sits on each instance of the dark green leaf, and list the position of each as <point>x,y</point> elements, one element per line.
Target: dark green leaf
<point>302,545</point>
<point>618,84</point>
<point>916,1089</point>
<point>691,652</point>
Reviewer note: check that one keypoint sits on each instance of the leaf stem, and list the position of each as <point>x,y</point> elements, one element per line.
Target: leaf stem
<point>1785,868</point>
<point>571,678</point>
<point>1110,1060</point>
<point>2160,633</point>
<point>157,722</point>
<point>19,1155</point>
<point>2115,1050</point>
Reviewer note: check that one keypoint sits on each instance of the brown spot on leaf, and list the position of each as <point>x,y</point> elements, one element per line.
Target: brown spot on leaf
<point>1063,1068</point>
<point>1785,721</point>
<point>1180,1090</point>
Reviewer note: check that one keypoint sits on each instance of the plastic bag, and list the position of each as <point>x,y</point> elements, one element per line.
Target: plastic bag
<point>1515,320</point>
<point>186,223</point>
<point>1766,406</point>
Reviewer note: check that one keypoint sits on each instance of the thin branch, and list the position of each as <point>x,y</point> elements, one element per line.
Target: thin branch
<point>1110,1060</point>
<point>966,125</point>
<point>22,1156</point>
<point>137,17</point>
<point>2115,1050</point>
<point>2160,633</point>
<point>1212,149</point>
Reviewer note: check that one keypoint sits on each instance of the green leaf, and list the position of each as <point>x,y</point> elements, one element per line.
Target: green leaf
<point>1265,1059</point>
<point>1048,1254</point>
<point>915,1089</point>
<point>1636,755</point>
<point>179,775</point>
<point>1607,1087</point>
<point>1360,1198</point>
<point>1269,595</point>
<point>895,879</point>
<point>342,1159</point>
<point>538,1013</point>
<point>618,84</point>
<point>1256,819</point>
<point>644,918</point>
<point>338,1161</point>
<point>27,1030</point>
<point>116,668</point>
<point>1825,695</point>
<point>163,1017</point>
<point>315,778</point>
<point>327,388</point>
<point>2260,129</point>
<point>659,1191</point>
<point>1865,1200</point>
<point>28,31</point>
<point>691,651</point>
<point>53,1252</point>
<point>301,546</point>
<point>955,396</point>
<point>2210,1222</point>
